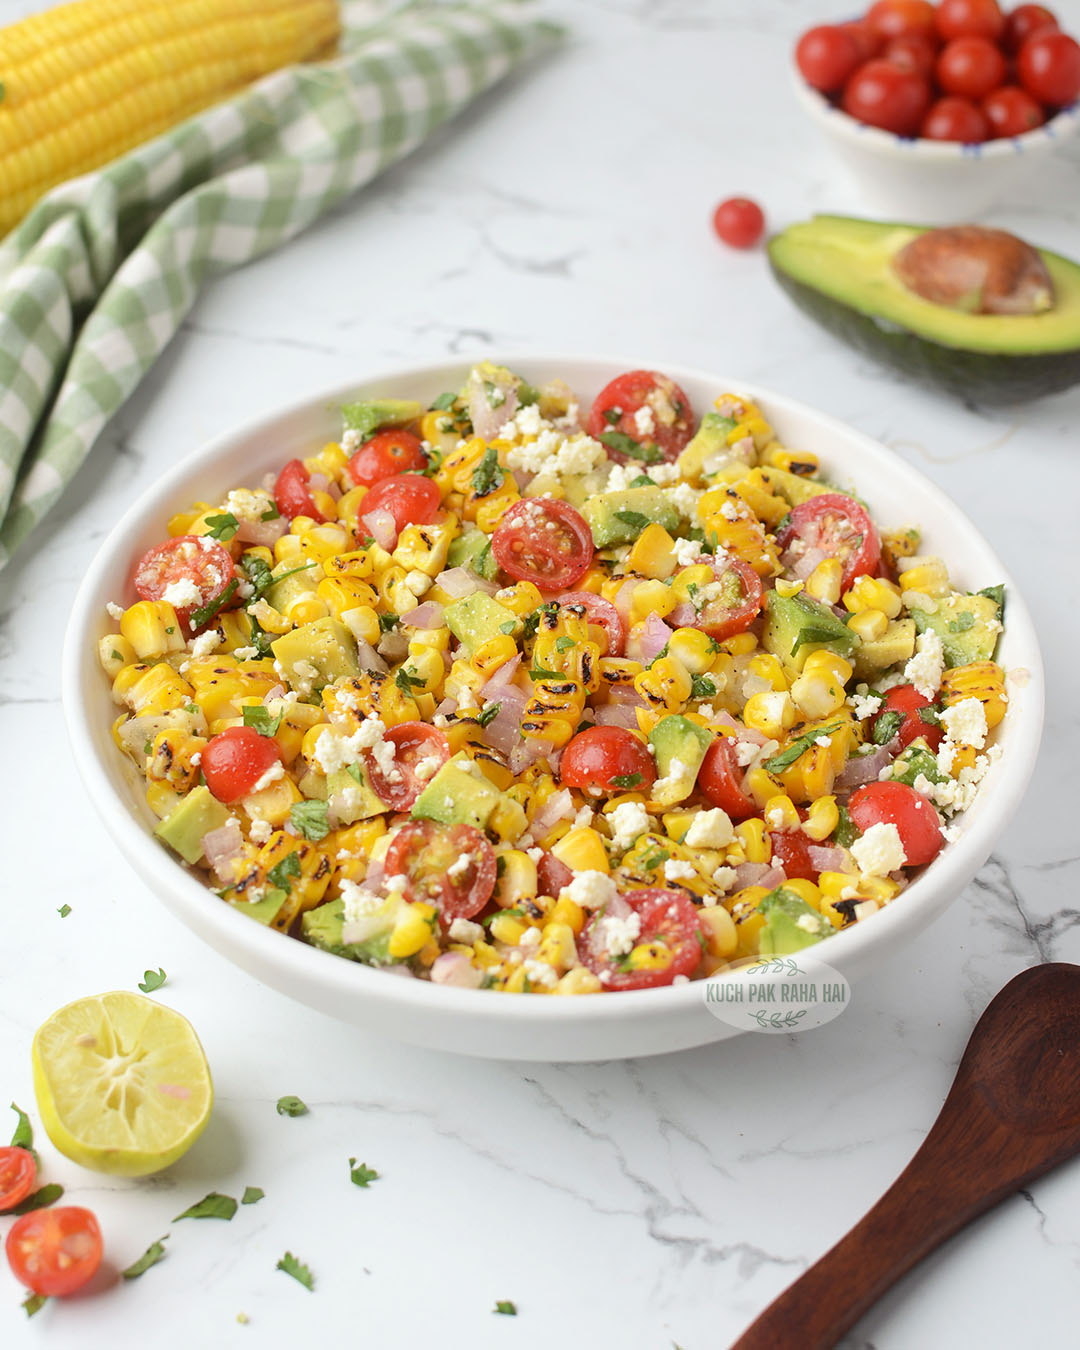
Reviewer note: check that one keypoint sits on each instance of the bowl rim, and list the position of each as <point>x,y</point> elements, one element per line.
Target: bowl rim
<point>1053,132</point>
<point>186,896</point>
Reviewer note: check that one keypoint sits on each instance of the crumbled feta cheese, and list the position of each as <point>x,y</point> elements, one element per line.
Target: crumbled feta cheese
<point>114,610</point>
<point>457,869</point>
<point>246,653</point>
<point>334,751</point>
<point>679,776</point>
<point>539,972</point>
<point>927,666</point>
<point>182,594</point>
<point>464,930</point>
<point>418,582</point>
<point>616,936</point>
<point>426,768</point>
<point>879,851</point>
<point>644,421</point>
<point>965,723</point>
<point>710,829</point>
<point>397,882</point>
<point>745,753</point>
<point>273,773</point>
<point>351,441</point>
<point>196,759</point>
<point>809,923</point>
<point>591,889</point>
<point>527,421</point>
<point>583,817</point>
<point>628,821</point>
<point>823,741</point>
<point>531,937</point>
<point>864,705</point>
<point>304,675</point>
<point>550,453</point>
<point>683,498</point>
<point>247,505</point>
<point>205,643</point>
<point>687,552</point>
<point>534,854</point>
<point>677,870</point>
<point>724,878</point>
<point>359,903</point>
<point>729,510</point>
<point>260,831</point>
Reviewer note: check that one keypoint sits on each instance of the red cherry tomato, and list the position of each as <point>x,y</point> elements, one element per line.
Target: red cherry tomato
<point>552,876</point>
<point>738,604</point>
<point>970,67</point>
<point>792,847</point>
<point>955,119</point>
<point>420,751</point>
<point>840,528</point>
<point>235,760</point>
<point>896,804</point>
<point>597,756</point>
<point>662,435</point>
<point>720,780</point>
<point>970,18</point>
<point>882,95</point>
<point>604,615</point>
<point>1049,68</point>
<point>410,498</point>
<point>739,222</point>
<point>545,541</point>
<point>901,18</point>
<point>182,562</point>
<point>1011,111</point>
<point>387,453</point>
<point>912,53</point>
<point>1024,22</point>
<point>54,1251</point>
<point>291,492</point>
<point>906,700</point>
<point>826,56</point>
<point>449,866</point>
<point>17,1173</point>
<point>868,42</point>
<point>668,924</point>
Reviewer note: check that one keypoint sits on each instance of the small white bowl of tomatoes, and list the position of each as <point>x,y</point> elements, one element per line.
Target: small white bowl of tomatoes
<point>940,110</point>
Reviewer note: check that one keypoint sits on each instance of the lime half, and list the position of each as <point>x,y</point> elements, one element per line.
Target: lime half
<point>122,1083</point>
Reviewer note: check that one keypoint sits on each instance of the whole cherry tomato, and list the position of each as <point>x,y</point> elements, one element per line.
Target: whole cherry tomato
<point>826,56</point>
<point>970,67</point>
<point>970,18</point>
<point>1011,111</point>
<point>882,95</point>
<point>955,119</point>
<point>1049,68</point>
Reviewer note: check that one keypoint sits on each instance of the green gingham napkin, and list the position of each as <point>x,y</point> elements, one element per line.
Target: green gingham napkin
<point>101,273</point>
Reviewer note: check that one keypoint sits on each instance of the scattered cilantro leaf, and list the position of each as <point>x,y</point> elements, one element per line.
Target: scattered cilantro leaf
<point>291,1266</point>
<point>406,682</point>
<point>626,780</point>
<point>642,480</point>
<point>655,859</point>
<point>222,527</point>
<point>288,867</point>
<point>886,726</point>
<point>506,1307</point>
<point>797,748</point>
<point>152,979</point>
<point>310,819</point>
<point>997,594</point>
<point>702,687</point>
<point>200,617</point>
<point>64,911</point>
<point>539,673</point>
<point>612,415</point>
<point>387,621</point>
<point>40,1199</point>
<point>488,714</point>
<point>813,633</point>
<point>115,655</point>
<point>931,715</point>
<point>508,627</point>
<point>963,621</point>
<point>212,1206</point>
<point>488,474</point>
<point>271,512</point>
<point>153,1254</point>
<point>626,445</point>
<point>637,520</point>
<point>291,1106</point>
<point>360,1174</point>
<point>252,1195</point>
<point>33,1303</point>
<point>846,831</point>
<point>563,644</point>
<point>444,402</point>
<point>259,718</point>
<point>356,771</point>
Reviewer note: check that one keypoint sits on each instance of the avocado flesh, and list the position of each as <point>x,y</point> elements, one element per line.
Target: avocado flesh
<point>783,933</point>
<point>677,738</point>
<point>838,271</point>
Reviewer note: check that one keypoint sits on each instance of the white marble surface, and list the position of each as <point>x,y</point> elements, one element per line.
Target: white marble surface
<point>643,1203</point>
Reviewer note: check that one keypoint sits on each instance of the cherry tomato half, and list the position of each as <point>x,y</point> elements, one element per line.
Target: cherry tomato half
<point>970,67</point>
<point>906,700</point>
<point>410,498</point>
<point>449,866</point>
<point>720,780</point>
<point>55,1251</point>
<point>826,56</point>
<point>188,560</point>
<point>901,18</point>
<point>385,454</point>
<point>1024,22</point>
<point>1049,68</point>
<point>840,528</point>
<point>17,1173</point>
<point>738,604</point>
<point>552,876</point>
<point>545,541</point>
<point>882,95</point>
<point>896,804</point>
<point>597,756</point>
<point>420,751</point>
<point>912,53</point>
<point>792,847</point>
<point>669,927</point>
<point>666,420</point>
<point>291,492</point>
<point>970,18</point>
<point>603,614</point>
<point>739,222</point>
<point>1011,111</point>
<point>955,119</point>
<point>235,760</point>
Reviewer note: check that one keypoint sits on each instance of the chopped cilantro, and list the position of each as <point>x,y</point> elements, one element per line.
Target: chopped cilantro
<point>288,867</point>
<point>931,715</point>
<point>64,911</point>
<point>259,717</point>
<point>271,512</point>
<point>387,621</point>
<point>813,633</point>
<point>310,819</point>
<point>153,1254</point>
<point>612,415</point>
<point>291,1106</point>
<point>702,687</point>
<point>506,1307</point>
<point>626,780</point>
<point>563,644</point>
<point>252,1195</point>
<point>886,726</point>
<point>508,627</point>
<point>24,1134</point>
<point>655,859</point>
<point>212,1206</point>
<point>846,831</point>
<point>200,617</point>
<point>626,445</point>
<point>539,673</point>
<point>356,771</point>
<point>488,474</point>
<point>360,1174</point>
<point>291,1266</point>
<point>115,655</point>
<point>488,714</point>
<point>222,527</point>
<point>642,480</point>
<point>406,682</point>
<point>963,621</point>
<point>997,594</point>
<point>152,979</point>
<point>637,520</point>
<point>797,748</point>
<point>444,402</point>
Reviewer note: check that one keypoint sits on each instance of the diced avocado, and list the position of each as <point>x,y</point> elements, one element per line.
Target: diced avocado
<point>914,760</point>
<point>619,517</point>
<point>263,911</point>
<point>968,626</point>
<point>492,383</point>
<point>473,550</point>
<point>192,817</point>
<point>796,625</point>
<point>476,618</point>
<point>896,644</point>
<point>295,583</point>
<point>790,924</point>
<point>368,415</point>
<point>325,927</point>
<point>793,487</point>
<point>326,646</point>
<point>457,797</point>
<point>353,798</point>
<point>680,747</point>
<point>710,447</point>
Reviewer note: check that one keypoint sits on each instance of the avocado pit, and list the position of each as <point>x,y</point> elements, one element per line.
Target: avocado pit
<point>976,270</point>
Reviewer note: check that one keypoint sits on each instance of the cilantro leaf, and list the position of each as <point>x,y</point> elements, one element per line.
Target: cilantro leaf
<point>642,480</point>
<point>259,718</point>
<point>626,780</point>
<point>153,1254</point>
<point>702,687</point>
<point>291,1266</point>
<point>212,1206</point>
<point>444,402</point>
<point>931,715</point>
<point>360,1174</point>
<point>797,748</point>
<point>200,617</point>
<point>387,621</point>
<point>508,627</point>
<point>151,980</point>
<point>40,1199</point>
<point>637,520</point>
<point>406,682</point>
<point>612,415</point>
<point>33,1303</point>
<point>539,673</point>
<point>488,714</point>
<point>813,633</point>
<point>222,527</point>
<point>846,831</point>
<point>310,819</point>
<point>655,859</point>
<point>563,644</point>
<point>356,771</point>
<point>271,512</point>
<point>288,867</point>
<point>506,1307</point>
<point>626,445</point>
<point>963,621</point>
<point>252,1195</point>
<point>997,594</point>
<point>24,1134</point>
<point>64,911</point>
<point>886,726</point>
<point>291,1106</point>
<point>488,474</point>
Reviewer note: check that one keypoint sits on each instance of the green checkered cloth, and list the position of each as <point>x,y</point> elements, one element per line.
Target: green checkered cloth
<point>101,273</point>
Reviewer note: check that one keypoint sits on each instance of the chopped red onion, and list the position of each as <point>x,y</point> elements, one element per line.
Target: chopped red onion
<point>500,680</point>
<point>318,482</point>
<point>456,969</point>
<point>383,528</point>
<point>559,806</point>
<point>616,715</point>
<point>503,732</point>
<point>446,707</point>
<point>427,615</point>
<point>759,874</point>
<point>458,582</point>
<point>527,752</point>
<point>261,533</point>
<point>368,657</point>
<point>829,859</point>
<point>222,846</point>
<point>803,563</point>
<point>684,615</point>
<point>863,768</point>
<point>647,640</point>
<point>623,596</point>
<point>488,420</point>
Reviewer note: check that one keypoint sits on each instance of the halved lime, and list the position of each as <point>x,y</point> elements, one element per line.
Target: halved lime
<point>122,1083</point>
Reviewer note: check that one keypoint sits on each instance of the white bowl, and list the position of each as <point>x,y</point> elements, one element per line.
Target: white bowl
<point>478,1022</point>
<point>933,182</point>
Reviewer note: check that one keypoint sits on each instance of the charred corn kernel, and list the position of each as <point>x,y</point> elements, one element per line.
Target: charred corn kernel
<point>182,522</point>
<point>593,580</point>
<point>817,694</point>
<point>296,720</point>
<point>689,581</point>
<point>493,653</point>
<point>152,689</point>
<point>653,553</point>
<point>788,588</point>
<point>330,460</point>
<point>881,889</point>
<point>647,718</point>
<point>273,803</point>
<point>721,935</point>
<point>220,683</point>
<point>568,912</point>
<point>305,609</point>
<point>508,820</point>
<point>780,813</point>
<point>287,549</point>
<point>677,822</point>
<point>964,757</point>
<point>829,663</point>
<point>162,798</point>
<point>424,548</point>
<point>488,511</point>
<point>517,878</point>
<point>759,495</point>
<point>747,541</point>
<point>115,652</point>
<point>666,685</point>
<point>170,759</point>
<point>839,912</point>
<point>583,850</point>
<point>371,694</point>
<point>340,594</point>
<point>749,920</point>
<point>557,947</point>
<point>357,564</point>
<point>651,597</point>
<point>152,628</point>
<point>617,672</point>
<point>269,619</point>
<point>761,787</point>
<point>754,840</point>
<point>799,462</point>
<point>868,592</point>
<point>648,956</point>
<point>236,626</point>
<point>823,583</point>
<point>833,884</point>
<point>425,672</point>
<point>766,667</point>
<point>772,714</point>
<point>412,930</point>
<point>349,506</point>
<point>324,503</point>
<point>812,775</point>
<point>869,624</point>
<point>506,928</point>
<point>805,890</point>
<point>554,711</point>
<point>693,649</point>
<point>362,622</point>
<point>394,590</point>
<point>897,544</point>
<point>580,980</point>
<point>928,575</point>
<point>984,680</point>
<point>464,676</point>
<point>823,817</point>
<point>742,644</point>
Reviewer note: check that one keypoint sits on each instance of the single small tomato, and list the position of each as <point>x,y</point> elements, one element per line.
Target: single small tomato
<point>292,495</point>
<point>449,866</point>
<point>1049,68</point>
<point>970,18</point>
<point>737,605</point>
<point>913,53</point>
<point>642,415</point>
<point>17,1173</point>
<point>545,541</point>
<point>792,847</point>
<point>914,816</point>
<point>970,67</point>
<point>420,751</point>
<point>882,95</point>
<point>720,780</point>
<point>55,1251</point>
<point>194,564</point>
<point>609,758</point>
<point>387,453</point>
<point>905,700</point>
<point>955,119</point>
<point>1024,22</point>
<point>1011,111</point>
<point>838,526</point>
<point>739,222</point>
<point>667,927</point>
<point>235,760</point>
<point>826,56</point>
<point>902,18</point>
<point>410,498</point>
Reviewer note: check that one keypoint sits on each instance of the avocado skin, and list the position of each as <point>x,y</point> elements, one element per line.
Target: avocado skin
<point>977,377</point>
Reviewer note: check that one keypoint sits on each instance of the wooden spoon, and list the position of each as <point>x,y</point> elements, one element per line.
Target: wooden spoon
<point>1012,1114</point>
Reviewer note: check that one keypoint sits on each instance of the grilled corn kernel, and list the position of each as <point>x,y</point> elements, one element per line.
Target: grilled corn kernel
<point>926,574</point>
<point>653,554</point>
<point>412,930</point>
<point>833,884</point>
<point>689,581</point>
<point>823,583</point>
<point>517,878</point>
<point>182,522</point>
<point>269,619</point>
<point>822,818</point>
<point>817,694</point>
<point>583,850</point>
<point>780,813</point>
<point>161,798</point>
<point>152,628</point>
<point>362,622</point>
<point>557,947</point>
<point>506,928</point>
<point>521,598</point>
<point>742,644</point>
<point>693,649</point>
<point>984,680</point>
<point>665,685</point>
<point>799,462</point>
<point>651,597</point>
<point>761,787</point>
<point>772,714</point>
<point>766,667</point>
<point>580,980</point>
<point>569,912</point>
<point>868,592</point>
<point>493,653</point>
<point>721,935</point>
<point>508,820</point>
<point>424,548</point>
<point>273,803</point>
<point>882,889</point>
<point>828,663</point>
<point>805,890</point>
<point>115,652</point>
<point>869,624</point>
<point>340,594</point>
<point>754,840</point>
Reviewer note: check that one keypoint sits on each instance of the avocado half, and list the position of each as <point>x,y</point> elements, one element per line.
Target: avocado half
<point>838,270</point>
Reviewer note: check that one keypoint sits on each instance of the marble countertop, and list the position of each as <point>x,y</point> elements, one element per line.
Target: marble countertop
<point>645,1203</point>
